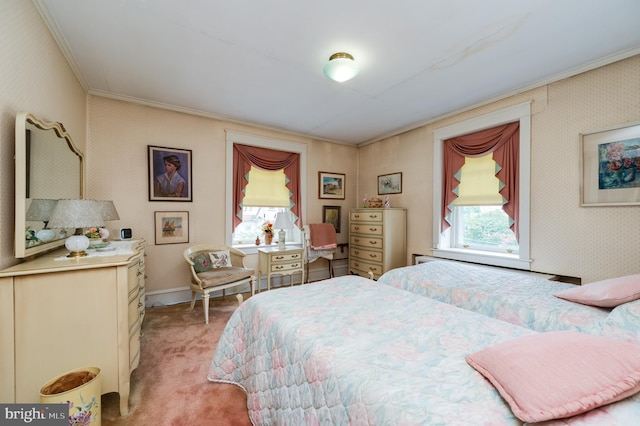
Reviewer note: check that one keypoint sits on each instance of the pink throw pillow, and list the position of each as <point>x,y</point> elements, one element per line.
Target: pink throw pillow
<point>606,294</point>
<point>559,374</point>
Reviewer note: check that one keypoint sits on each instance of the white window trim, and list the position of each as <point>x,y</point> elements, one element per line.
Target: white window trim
<point>441,244</point>
<point>262,142</point>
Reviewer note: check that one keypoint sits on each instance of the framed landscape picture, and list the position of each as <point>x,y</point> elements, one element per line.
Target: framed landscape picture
<point>390,184</point>
<point>169,174</point>
<point>172,227</point>
<point>331,185</point>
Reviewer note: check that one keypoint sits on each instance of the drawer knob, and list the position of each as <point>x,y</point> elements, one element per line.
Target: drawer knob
<point>357,228</point>
<point>356,252</point>
<point>373,242</point>
<point>279,267</point>
<point>294,256</point>
<point>373,229</point>
<point>279,257</point>
<point>373,255</point>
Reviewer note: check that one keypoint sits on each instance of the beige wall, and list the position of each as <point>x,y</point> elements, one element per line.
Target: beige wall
<point>592,243</point>
<point>34,77</point>
<point>588,242</point>
<point>119,133</point>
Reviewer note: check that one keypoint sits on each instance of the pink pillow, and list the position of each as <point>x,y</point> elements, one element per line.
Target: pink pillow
<point>559,374</point>
<point>607,293</point>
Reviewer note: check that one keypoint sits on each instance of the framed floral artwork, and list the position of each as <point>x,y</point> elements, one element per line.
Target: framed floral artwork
<point>331,185</point>
<point>169,174</point>
<point>610,167</point>
<point>172,227</point>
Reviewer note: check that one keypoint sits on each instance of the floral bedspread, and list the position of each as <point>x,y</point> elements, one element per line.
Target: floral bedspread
<point>349,351</point>
<point>520,299</point>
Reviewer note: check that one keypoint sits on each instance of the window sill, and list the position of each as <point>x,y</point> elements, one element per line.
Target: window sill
<point>485,258</point>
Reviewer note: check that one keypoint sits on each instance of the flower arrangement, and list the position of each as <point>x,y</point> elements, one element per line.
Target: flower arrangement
<point>267,228</point>
<point>96,233</point>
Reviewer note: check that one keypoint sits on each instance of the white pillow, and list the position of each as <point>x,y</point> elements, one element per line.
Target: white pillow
<point>220,259</point>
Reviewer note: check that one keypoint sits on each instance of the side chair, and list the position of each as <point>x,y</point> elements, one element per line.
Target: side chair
<point>215,267</point>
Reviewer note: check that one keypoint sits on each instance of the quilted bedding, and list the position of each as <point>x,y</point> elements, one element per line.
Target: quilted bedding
<point>349,351</point>
<point>520,299</point>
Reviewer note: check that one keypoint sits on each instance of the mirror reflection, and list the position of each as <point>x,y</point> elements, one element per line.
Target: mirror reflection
<point>48,168</point>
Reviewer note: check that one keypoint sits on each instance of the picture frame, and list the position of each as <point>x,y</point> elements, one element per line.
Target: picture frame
<point>331,185</point>
<point>390,184</point>
<point>610,167</point>
<point>171,227</point>
<point>160,185</point>
<point>331,214</point>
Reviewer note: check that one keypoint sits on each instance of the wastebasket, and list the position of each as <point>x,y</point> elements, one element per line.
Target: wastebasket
<point>81,388</point>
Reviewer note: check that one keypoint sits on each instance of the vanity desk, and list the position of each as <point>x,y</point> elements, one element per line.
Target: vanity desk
<point>59,314</point>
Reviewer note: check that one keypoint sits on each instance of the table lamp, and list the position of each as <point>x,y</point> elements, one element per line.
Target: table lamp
<point>40,210</point>
<point>282,221</point>
<point>109,213</point>
<point>78,214</point>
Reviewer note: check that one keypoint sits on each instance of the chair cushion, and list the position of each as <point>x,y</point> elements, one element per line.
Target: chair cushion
<point>224,275</point>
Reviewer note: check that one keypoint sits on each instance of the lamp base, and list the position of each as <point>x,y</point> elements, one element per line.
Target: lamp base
<point>78,254</point>
<point>77,244</point>
<point>281,242</point>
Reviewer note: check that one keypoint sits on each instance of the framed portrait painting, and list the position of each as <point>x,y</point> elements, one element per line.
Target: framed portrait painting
<point>610,163</point>
<point>172,227</point>
<point>390,184</point>
<point>331,214</point>
<point>331,185</point>
<point>169,174</point>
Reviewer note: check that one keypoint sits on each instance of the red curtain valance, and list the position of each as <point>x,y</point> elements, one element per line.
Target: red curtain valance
<point>245,156</point>
<point>504,142</point>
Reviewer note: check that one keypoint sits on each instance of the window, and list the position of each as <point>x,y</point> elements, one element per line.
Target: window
<point>478,227</point>
<point>258,208</point>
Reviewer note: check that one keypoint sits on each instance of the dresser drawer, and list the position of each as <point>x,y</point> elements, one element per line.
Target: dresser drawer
<point>285,257</point>
<point>372,216</point>
<point>363,268</point>
<point>366,255</point>
<point>281,267</point>
<point>366,242</point>
<point>366,228</point>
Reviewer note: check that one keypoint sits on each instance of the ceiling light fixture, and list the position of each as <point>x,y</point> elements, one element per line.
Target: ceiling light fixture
<point>341,67</point>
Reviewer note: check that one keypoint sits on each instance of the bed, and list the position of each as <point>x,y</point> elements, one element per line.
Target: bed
<point>520,299</point>
<point>351,351</point>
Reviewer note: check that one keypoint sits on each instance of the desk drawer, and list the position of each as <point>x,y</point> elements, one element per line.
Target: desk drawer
<point>281,267</point>
<point>285,257</point>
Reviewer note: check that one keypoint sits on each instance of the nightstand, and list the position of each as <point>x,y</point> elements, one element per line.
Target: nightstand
<point>273,261</point>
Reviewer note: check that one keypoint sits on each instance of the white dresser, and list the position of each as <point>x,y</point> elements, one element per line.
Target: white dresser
<point>59,314</point>
<point>377,240</point>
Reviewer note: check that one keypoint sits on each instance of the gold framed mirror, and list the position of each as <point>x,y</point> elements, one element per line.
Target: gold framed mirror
<point>49,167</point>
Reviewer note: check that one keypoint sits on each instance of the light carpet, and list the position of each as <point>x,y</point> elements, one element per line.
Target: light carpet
<point>170,385</point>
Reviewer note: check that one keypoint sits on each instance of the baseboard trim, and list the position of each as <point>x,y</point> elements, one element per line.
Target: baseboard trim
<point>173,296</point>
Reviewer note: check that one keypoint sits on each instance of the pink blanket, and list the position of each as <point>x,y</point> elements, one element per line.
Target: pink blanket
<point>323,236</point>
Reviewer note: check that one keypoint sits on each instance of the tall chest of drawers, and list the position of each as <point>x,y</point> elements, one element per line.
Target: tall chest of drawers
<point>377,240</point>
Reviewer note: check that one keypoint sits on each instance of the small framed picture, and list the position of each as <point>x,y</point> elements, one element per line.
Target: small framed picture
<point>172,227</point>
<point>169,174</point>
<point>390,184</point>
<point>331,185</point>
<point>610,163</point>
<point>331,214</point>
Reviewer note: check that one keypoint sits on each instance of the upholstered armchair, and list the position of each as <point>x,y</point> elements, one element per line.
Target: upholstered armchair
<point>215,267</point>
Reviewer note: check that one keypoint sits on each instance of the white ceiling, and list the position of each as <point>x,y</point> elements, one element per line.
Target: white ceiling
<point>261,62</point>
